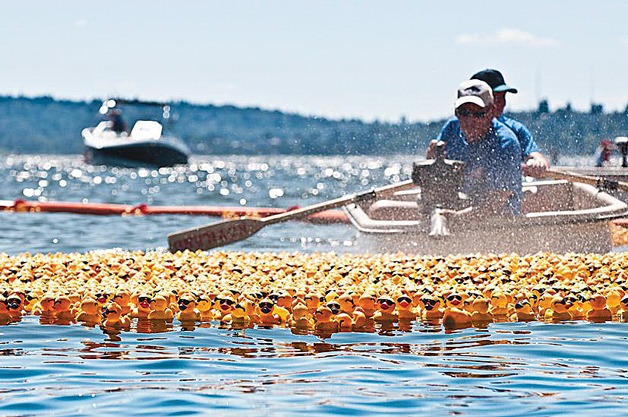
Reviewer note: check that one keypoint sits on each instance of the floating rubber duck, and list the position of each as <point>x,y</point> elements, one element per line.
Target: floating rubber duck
<point>301,317</point>
<point>266,313</point>
<point>14,305</point>
<point>63,312</point>
<point>123,299</point>
<point>204,307</point>
<point>523,311</point>
<point>367,302</point>
<point>360,320</point>
<point>238,316</point>
<point>344,320</point>
<point>159,309</point>
<point>112,317</point>
<point>558,310</point>
<point>141,309</point>
<point>481,314</point>
<point>456,318</point>
<point>599,310</point>
<point>89,312</point>
<point>385,310</point>
<point>431,308</point>
<point>44,308</point>
<point>312,301</point>
<point>323,320</point>
<point>187,309</point>
<point>405,308</point>
<point>499,305</point>
<point>223,305</point>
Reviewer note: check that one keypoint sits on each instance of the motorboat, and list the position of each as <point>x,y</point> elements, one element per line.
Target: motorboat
<point>558,215</point>
<point>146,144</point>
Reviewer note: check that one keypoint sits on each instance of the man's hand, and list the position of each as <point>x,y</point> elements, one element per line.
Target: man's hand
<point>431,148</point>
<point>536,165</point>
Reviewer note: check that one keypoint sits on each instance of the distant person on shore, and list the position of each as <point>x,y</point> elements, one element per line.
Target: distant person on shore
<point>603,153</point>
<point>489,149</point>
<point>534,162</point>
<point>118,124</point>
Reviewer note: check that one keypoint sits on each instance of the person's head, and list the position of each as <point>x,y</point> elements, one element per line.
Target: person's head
<point>474,109</point>
<point>496,80</point>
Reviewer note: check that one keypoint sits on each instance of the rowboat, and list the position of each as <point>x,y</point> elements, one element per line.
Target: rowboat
<point>145,145</point>
<point>557,216</point>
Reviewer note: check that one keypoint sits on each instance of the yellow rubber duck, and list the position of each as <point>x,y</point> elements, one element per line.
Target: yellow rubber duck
<point>599,310</point>
<point>89,312</point>
<point>385,310</point>
<point>112,317</point>
<point>405,308</point>
<point>558,310</point>
<point>323,320</point>
<point>159,309</point>
<point>301,317</point>
<point>481,315</point>
<point>187,309</point>
<point>523,311</point>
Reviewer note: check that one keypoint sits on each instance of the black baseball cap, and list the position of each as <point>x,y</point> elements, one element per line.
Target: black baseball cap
<point>495,79</point>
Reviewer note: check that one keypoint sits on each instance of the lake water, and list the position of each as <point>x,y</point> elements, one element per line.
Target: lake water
<point>532,368</point>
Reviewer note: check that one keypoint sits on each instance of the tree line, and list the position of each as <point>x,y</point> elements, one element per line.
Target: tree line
<point>45,125</point>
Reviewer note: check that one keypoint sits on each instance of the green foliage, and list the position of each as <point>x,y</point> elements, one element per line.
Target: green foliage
<point>46,125</point>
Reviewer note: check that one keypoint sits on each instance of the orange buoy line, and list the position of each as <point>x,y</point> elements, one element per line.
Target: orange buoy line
<point>103,209</point>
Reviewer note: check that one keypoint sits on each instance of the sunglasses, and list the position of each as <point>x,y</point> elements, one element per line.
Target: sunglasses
<point>404,298</point>
<point>184,302</point>
<point>227,301</point>
<point>454,297</point>
<point>333,306</point>
<point>429,302</point>
<point>469,113</point>
<point>266,304</point>
<point>386,301</point>
<point>144,299</point>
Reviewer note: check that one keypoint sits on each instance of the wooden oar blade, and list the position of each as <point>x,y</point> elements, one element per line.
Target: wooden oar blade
<point>214,235</point>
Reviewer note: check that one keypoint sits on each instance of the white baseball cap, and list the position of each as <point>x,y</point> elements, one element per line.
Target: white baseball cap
<point>476,92</point>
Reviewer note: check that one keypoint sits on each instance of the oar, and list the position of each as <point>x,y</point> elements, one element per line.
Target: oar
<point>600,182</point>
<point>230,231</point>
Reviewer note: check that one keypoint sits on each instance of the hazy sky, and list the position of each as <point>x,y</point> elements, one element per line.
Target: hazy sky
<point>340,59</point>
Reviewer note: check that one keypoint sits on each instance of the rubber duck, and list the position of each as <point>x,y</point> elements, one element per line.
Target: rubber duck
<point>499,305</point>
<point>344,320</point>
<point>323,320</point>
<point>523,311</point>
<point>223,305</point>
<point>481,314</point>
<point>187,309</point>
<point>367,302</point>
<point>385,310</point>
<point>238,316</point>
<point>89,312</point>
<point>558,310</point>
<point>456,318</point>
<point>141,309</point>
<point>112,317</point>
<point>301,317</point>
<point>14,305</point>
<point>360,320</point>
<point>45,306</point>
<point>123,299</point>
<point>613,299</point>
<point>405,308</point>
<point>431,308</point>
<point>346,303</point>
<point>159,309</point>
<point>63,310</point>
<point>204,307</point>
<point>599,310</point>
<point>312,301</point>
<point>266,313</point>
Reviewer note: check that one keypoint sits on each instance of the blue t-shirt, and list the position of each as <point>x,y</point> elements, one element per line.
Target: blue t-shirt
<point>528,145</point>
<point>491,164</point>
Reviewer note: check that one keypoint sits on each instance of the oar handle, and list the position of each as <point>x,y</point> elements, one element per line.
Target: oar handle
<point>339,202</point>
